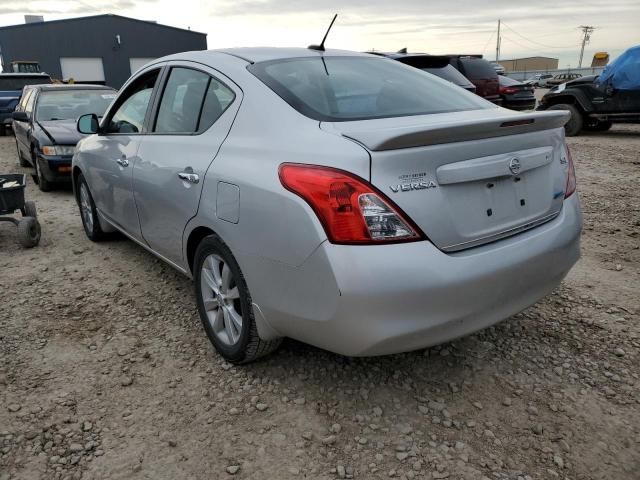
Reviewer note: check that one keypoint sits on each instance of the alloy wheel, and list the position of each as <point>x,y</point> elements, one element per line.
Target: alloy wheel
<point>85,207</point>
<point>221,299</point>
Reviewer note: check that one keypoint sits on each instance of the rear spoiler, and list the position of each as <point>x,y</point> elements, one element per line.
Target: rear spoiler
<point>415,131</point>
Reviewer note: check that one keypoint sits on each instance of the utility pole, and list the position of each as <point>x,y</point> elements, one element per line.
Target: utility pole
<point>587,30</point>
<point>498,43</point>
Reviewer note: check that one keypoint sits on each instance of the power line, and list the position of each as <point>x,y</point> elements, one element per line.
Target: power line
<point>487,44</point>
<point>533,41</point>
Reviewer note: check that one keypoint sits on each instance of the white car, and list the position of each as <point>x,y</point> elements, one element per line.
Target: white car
<point>342,199</point>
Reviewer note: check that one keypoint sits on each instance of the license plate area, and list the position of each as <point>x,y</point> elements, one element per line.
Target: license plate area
<point>504,197</point>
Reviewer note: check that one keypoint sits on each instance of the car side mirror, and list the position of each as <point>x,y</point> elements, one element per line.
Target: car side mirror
<point>88,124</point>
<point>20,116</point>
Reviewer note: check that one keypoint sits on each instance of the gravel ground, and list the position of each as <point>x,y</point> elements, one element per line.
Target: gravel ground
<point>105,371</point>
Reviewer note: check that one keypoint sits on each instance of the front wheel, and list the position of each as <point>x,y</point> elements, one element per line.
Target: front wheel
<point>574,125</point>
<point>224,304</point>
<point>88,212</point>
<point>21,160</point>
<point>43,184</point>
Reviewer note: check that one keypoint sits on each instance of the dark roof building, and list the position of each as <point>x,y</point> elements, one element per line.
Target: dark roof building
<point>104,49</point>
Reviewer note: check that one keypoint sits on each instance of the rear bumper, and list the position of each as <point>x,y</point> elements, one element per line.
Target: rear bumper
<point>51,166</point>
<point>376,300</point>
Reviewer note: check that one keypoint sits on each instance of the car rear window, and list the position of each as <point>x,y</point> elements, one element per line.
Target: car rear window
<point>17,82</point>
<point>336,88</point>
<point>507,81</point>
<point>477,68</point>
<point>451,74</point>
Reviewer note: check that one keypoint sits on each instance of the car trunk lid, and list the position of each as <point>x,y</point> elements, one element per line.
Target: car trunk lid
<point>467,178</point>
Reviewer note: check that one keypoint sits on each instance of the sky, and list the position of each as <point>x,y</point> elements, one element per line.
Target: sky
<point>538,27</point>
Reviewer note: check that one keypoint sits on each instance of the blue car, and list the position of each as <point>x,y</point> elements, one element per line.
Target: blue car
<point>11,85</point>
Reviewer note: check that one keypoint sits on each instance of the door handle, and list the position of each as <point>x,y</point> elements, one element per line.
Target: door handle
<point>123,162</point>
<point>189,177</point>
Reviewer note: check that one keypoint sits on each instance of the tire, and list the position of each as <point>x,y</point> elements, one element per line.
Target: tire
<point>29,210</point>
<point>43,184</point>
<point>575,123</point>
<point>29,232</point>
<point>88,212</point>
<point>219,280</point>
<point>21,160</point>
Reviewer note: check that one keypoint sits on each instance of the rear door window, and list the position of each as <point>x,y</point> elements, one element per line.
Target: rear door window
<point>191,102</point>
<point>334,88</point>
<point>181,101</point>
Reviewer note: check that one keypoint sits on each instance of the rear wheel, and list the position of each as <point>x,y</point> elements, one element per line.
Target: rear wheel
<point>225,305</point>
<point>574,125</point>
<point>29,210</point>
<point>29,232</point>
<point>88,212</point>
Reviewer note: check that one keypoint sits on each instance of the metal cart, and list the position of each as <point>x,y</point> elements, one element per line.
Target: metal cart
<point>11,199</point>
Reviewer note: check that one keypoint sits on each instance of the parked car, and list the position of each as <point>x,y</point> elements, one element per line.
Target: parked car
<point>480,73</point>
<point>437,65</point>
<point>498,68</point>
<point>562,78</point>
<point>44,124</point>
<point>11,85</point>
<point>516,95</point>
<point>594,106</point>
<point>596,102</point>
<point>341,199</point>
<point>539,79</point>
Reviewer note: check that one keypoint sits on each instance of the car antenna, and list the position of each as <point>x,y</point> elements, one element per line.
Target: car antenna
<point>402,50</point>
<point>321,46</point>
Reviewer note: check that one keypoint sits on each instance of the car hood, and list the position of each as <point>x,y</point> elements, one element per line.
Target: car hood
<point>62,132</point>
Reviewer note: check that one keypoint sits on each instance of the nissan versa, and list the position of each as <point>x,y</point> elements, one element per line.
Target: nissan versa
<point>342,199</point>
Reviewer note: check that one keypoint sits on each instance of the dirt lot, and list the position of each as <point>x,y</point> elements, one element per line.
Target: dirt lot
<point>105,372</point>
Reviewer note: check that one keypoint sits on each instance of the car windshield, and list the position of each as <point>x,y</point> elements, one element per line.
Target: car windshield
<point>360,88</point>
<point>71,104</point>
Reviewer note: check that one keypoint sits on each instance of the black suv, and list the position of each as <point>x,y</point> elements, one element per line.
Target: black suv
<point>592,106</point>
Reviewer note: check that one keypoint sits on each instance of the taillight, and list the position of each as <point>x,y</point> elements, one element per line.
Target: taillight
<point>571,176</point>
<point>350,209</point>
<point>508,90</point>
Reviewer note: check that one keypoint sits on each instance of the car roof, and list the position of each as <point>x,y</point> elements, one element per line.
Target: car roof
<point>27,75</point>
<point>74,86</point>
<point>263,54</point>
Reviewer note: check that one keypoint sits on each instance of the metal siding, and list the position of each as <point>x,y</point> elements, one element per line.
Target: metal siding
<point>95,37</point>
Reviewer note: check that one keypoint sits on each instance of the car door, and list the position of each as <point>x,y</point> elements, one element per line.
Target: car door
<point>111,155</point>
<point>21,129</point>
<point>192,117</point>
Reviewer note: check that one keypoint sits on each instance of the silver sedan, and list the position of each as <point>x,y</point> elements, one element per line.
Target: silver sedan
<point>341,199</point>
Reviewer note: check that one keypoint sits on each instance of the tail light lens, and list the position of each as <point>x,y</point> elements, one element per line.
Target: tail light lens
<point>350,209</point>
<point>571,176</point>
<point>507,90</point>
